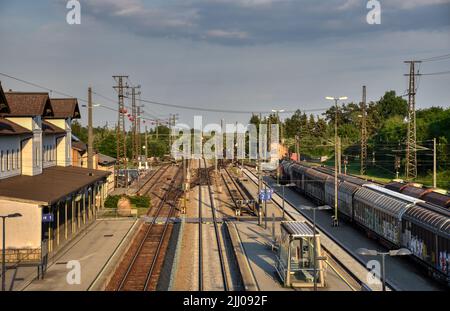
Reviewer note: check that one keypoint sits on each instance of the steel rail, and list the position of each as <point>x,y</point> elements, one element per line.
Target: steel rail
<point>142,242</point>
<point>200,234</point>
<point>158,249</point>
<point>216,230</point>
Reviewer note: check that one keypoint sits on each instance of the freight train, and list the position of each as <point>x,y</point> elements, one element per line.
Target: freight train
<point>418,221</point>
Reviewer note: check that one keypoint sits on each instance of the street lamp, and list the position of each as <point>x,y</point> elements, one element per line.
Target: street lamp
<point>371,252</point>
<point>15,215</point>
<point>336,99</point>
<point>282,187</point>
<point>309,208</point>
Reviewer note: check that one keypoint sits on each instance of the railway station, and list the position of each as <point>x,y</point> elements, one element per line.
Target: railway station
<point>55,200</point>
<point>236,154</point>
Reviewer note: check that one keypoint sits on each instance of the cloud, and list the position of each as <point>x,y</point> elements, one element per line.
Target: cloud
<point>264,21</point>
<point>217,33</point>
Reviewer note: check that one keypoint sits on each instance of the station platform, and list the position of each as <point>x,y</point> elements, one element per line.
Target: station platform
<point>402,274</point>
<point>93,249</point>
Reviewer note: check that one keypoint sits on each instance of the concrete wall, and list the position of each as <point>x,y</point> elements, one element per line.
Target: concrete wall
<point>10,158</point>
<point>23,232</point>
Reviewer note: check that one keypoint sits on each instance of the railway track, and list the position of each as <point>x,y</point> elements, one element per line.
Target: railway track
<point>204,179</point>
<point>140,268</point>
<point>236,193</point>
<point>151,182</point>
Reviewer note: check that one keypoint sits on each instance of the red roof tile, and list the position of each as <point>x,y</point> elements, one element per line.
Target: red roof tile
<point>29,104</point>
<point>65,108</point>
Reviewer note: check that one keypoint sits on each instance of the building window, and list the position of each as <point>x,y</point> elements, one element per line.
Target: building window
<point>2,164</point>
<point>18,159</point>
<point>13,156</point>
<point>8,167</point>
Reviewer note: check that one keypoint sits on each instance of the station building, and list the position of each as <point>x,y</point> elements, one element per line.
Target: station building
<point>56,200</point>
<point>100,161</point>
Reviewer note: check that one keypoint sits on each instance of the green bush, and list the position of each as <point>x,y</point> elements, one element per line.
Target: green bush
<point>137,201</point>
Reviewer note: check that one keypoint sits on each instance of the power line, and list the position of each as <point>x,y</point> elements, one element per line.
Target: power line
<point>436,73</point>
<point>166,104</point>
<point>436,58</point>
<point>225,110</point>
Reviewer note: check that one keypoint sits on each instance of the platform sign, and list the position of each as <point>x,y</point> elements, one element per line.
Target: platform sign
<point>46,218</point>
<point>266,194</point>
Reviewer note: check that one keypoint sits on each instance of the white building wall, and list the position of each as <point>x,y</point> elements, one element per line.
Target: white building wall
<point>64,144</point>
<point>10,156</point>
<point>31,148</point>
<point>22,232</point>
<point>49,151</point>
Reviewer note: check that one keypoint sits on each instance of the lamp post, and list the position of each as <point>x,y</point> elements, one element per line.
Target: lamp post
<point>309,208</point>
<point>370,252</point>
<point>336,152</point>
<point>282,187</point>
<point>15,215</point>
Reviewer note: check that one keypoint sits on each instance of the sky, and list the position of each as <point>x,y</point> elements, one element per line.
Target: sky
<point>239,55</point>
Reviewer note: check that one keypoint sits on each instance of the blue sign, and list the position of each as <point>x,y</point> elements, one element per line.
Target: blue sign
<point>266,195</point>
<point>47,218</point>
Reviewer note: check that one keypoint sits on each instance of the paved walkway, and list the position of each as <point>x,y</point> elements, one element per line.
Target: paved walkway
<point>92,250</point>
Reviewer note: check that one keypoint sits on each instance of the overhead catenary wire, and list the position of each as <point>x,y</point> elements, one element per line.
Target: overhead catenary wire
<point>167,104</point>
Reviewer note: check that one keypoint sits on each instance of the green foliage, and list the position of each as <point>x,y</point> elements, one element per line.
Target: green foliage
<point>387,129</point>
<point>105,140</point>
<point>137,201</point>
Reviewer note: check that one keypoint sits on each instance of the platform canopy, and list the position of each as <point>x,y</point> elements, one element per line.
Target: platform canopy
<point>297,229</point>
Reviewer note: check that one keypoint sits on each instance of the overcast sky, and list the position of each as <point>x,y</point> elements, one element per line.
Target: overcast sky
<point>246,55</point>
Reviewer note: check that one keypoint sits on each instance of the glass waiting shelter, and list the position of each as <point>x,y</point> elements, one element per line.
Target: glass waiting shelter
<point>295,258</point>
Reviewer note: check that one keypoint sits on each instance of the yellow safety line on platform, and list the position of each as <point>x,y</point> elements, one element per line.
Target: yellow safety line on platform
<point>340,275</point>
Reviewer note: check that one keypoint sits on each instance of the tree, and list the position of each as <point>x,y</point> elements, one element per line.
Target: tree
<point>391,105</point>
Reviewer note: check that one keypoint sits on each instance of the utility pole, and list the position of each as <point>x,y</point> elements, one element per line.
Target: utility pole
<point>411,140</point>
<point>146,145</point>
<point>135,121</point>
<point>259,179</point>
<point>434,163</point>
<point>121,133</point>
<point>90,132</point>
<point>339,155</point>
<point>138,126</point>
<point>297,147</point>
<point>363,134</point>
<point>157,126</point>
<point>133,125</point>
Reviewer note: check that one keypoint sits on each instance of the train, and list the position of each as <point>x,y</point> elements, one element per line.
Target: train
<point>413,219</point>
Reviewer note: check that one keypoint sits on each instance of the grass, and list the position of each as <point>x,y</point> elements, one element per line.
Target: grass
<point>384,175</point>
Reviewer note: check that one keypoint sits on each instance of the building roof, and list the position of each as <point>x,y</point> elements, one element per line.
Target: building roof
<point>8,128</point>
<point>105,160</point>
<point>65,108</point>
<point>53,185</point>
<point>29,104</point>
<point>4,108</point>
<point>297,228</point>
<point>48,128</point>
